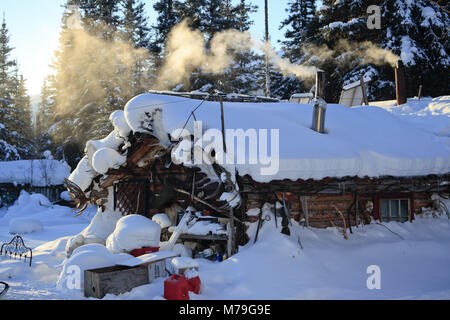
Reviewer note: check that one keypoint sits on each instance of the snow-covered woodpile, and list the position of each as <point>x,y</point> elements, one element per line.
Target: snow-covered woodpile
<point>367,162</point>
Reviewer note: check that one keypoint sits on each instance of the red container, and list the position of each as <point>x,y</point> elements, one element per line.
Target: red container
<point>176,288</point>
<point>194,284</point>
<point>206,213</point>
<point>142,251</point>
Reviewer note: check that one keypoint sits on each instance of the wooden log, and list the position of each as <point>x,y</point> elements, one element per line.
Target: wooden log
<point>109,181</point>
<point>211,237</point>
<point>231,232</point>
<point>143,149</point>
<point>304,201</point>
<point>114,280</point>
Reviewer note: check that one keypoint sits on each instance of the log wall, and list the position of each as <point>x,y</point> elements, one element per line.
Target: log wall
<point>321,207</point>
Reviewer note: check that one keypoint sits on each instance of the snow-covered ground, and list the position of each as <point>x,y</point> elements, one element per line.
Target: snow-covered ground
<point>413,258</point>
<point>413,262</point>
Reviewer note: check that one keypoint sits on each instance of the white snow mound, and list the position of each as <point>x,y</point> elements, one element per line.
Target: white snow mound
<point>117,118</point>
<point>23,226</point>
<point>133,232</point>
<point>105,159</point>
<point>184,262</point>
<point>163,220</point>
<point>28,205</point>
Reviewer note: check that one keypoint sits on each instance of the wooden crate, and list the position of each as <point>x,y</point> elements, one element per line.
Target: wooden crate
<point>115,280</point>
<point>156,270</point>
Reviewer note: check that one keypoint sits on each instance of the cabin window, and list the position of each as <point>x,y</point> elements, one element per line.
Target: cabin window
<point>395,210</point>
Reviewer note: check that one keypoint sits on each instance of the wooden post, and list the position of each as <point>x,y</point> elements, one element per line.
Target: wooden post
<point>400,85</point>
<point>231,236</point>
<point>364,90</point>
<point>304,203</point>
<point>419,95</point>
<point>222,118</point>
<point>356,209</point>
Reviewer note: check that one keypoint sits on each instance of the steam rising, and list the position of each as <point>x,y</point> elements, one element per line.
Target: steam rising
<point>94,67</point>
<point>353,52</point>
<point>186,51</point>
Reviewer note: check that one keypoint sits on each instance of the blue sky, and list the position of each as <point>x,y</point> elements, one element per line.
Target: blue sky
<point>34,30</point>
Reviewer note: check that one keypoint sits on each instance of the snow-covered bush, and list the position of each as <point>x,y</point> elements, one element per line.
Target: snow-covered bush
<point>133,232</point>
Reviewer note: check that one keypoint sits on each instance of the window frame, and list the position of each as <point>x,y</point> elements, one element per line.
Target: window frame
<point>377,214</point>
<point>390,217</point>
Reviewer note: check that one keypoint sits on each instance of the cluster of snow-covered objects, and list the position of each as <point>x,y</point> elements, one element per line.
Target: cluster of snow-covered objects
<point>369,165</point>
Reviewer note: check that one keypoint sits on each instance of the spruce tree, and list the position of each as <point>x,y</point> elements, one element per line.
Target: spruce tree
<point>135,23</point>
<point>45,117</point>
<point>299,26</point>
<point>211,17</point>
<point>417,31</point>
<point>240,77</point>
<point>71,93</point>
<point>15,112</point>
<point>135,30</point>
<point>166,19</point>
<point>22,108</point>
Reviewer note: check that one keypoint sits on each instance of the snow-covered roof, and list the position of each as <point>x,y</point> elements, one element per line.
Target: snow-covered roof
<point>429,114</point>
<point>303,95</point>
<point>39,173</point>
<point>231,97</point>
<point>355,84</point>
<point>360,141</point>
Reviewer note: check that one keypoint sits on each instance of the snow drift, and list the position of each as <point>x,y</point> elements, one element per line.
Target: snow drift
<point>90,256</point>
<point>23,226</point>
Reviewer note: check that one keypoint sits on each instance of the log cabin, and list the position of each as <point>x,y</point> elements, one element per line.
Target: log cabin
<point>365,165</point>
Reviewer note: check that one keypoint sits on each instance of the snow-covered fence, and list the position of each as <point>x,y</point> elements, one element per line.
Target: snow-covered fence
<point>42,176</point>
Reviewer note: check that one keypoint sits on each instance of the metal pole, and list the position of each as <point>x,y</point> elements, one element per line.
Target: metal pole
<point>266,11</point>
<point>222,118</point>
<point>320,106</point>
